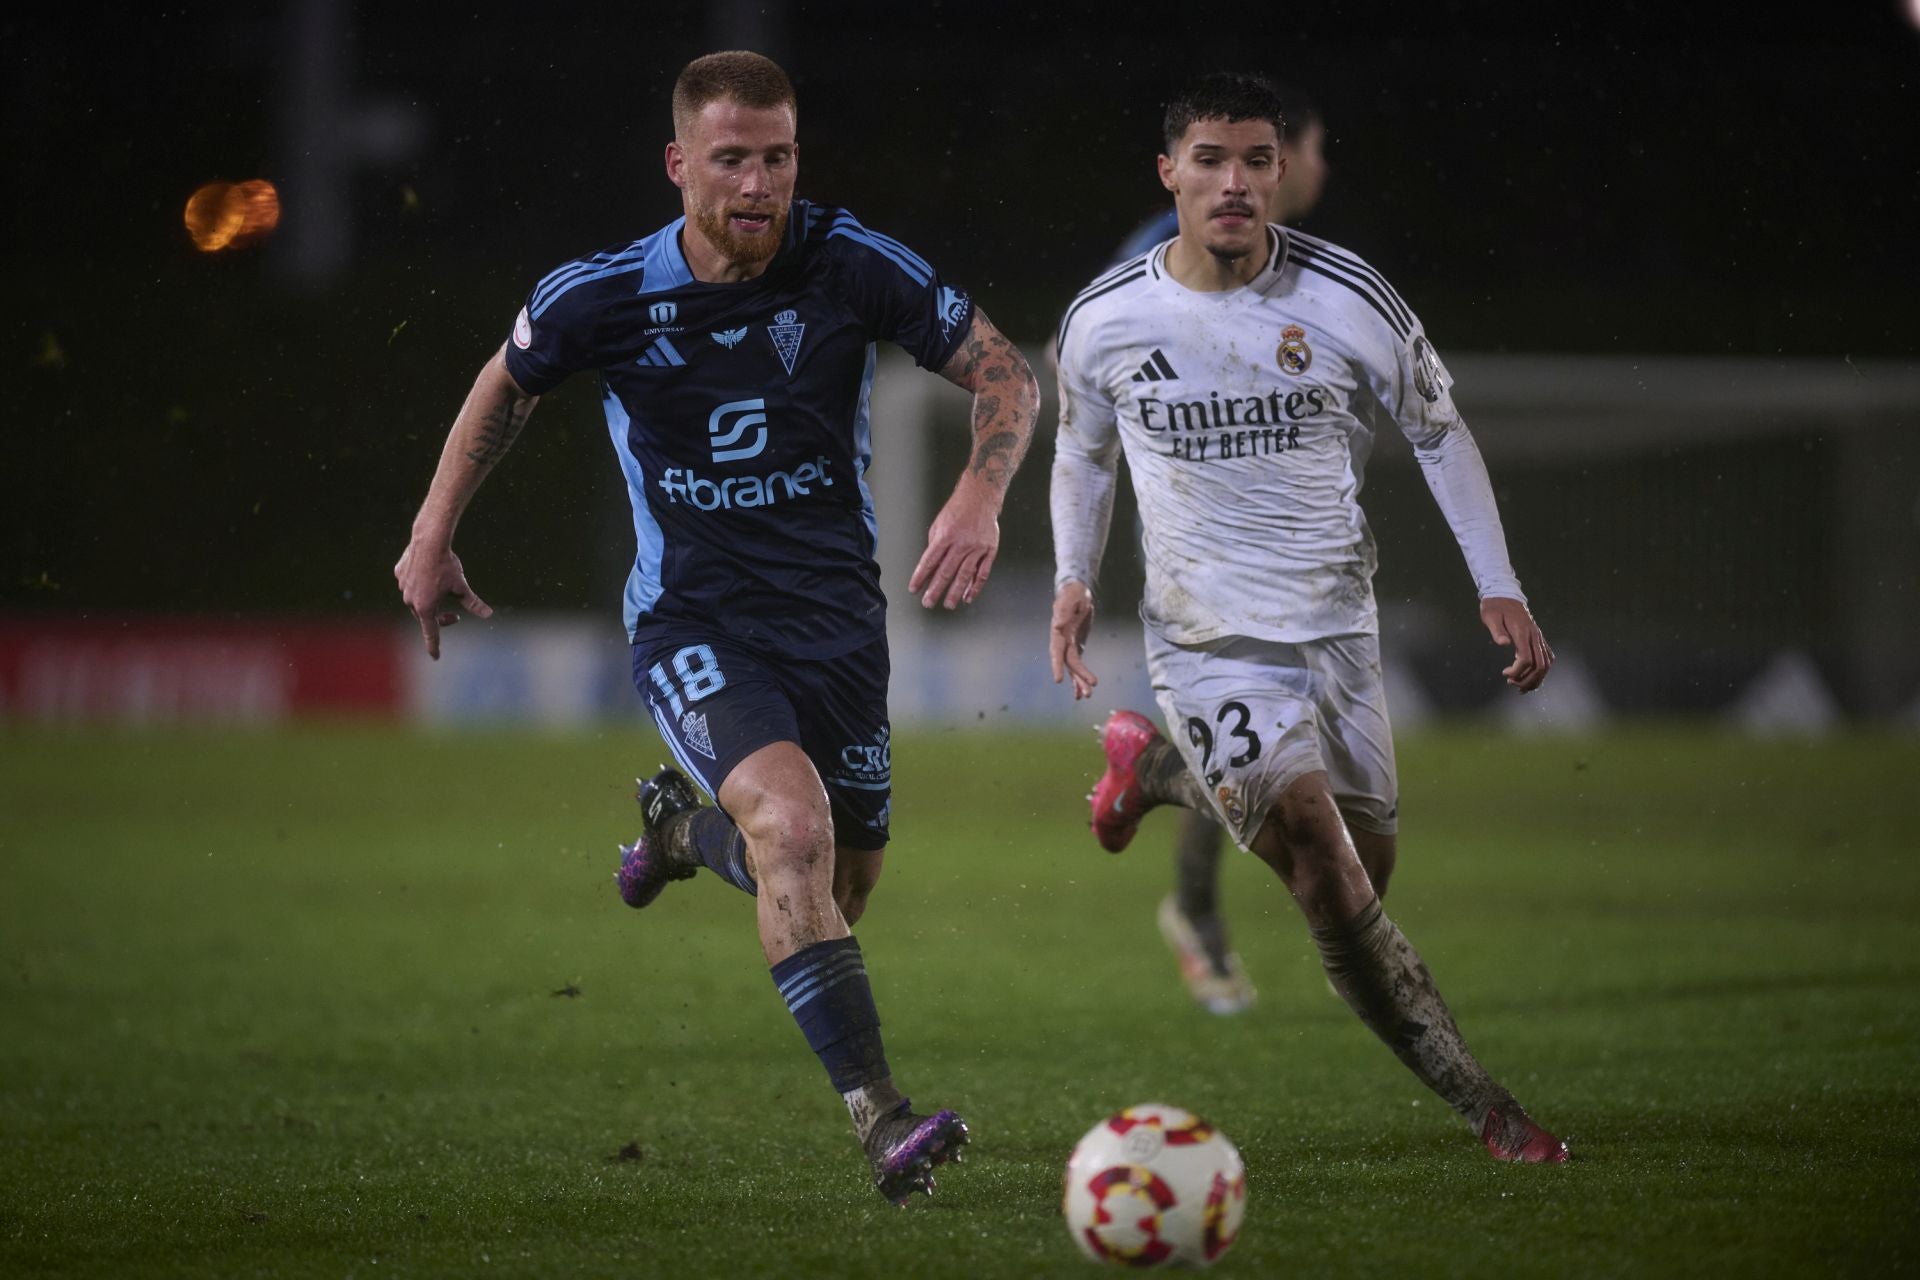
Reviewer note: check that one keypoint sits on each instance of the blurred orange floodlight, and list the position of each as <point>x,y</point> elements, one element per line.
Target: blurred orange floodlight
<point>232,215</point>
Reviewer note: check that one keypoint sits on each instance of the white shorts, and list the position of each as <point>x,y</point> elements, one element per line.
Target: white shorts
<point>1252,716</point>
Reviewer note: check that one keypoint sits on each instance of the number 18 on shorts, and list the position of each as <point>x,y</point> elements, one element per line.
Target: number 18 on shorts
<point>716,703</point>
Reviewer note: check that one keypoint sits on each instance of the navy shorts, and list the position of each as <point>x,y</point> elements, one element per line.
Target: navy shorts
<point>717,702</point>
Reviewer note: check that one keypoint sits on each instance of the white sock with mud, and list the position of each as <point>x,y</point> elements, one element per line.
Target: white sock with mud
<point>1382,979</point>
<point>869,1104</point>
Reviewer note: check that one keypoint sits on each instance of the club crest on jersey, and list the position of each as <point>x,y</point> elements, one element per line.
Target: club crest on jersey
<point>1294,355</point>
<point>1429,378</point>
<point>663,312</point>
<point>1236,813</point>
<point>786,334</point>
<point>693,728</point>
<point>729,338</point>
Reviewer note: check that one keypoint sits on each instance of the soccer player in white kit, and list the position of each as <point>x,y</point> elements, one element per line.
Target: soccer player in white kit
<point>1244,369</point>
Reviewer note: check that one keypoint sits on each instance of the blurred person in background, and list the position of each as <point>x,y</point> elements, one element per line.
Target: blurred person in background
<point>735,349</point>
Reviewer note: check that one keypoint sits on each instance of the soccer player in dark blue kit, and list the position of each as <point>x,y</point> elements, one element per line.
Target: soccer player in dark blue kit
<point>735,350</point>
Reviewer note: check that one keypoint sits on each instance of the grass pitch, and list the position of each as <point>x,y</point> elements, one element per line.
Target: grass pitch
<point>360,1001</point>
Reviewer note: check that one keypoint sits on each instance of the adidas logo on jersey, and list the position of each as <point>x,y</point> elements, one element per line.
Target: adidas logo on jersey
<point>661,355</point>
<point>729,338</point>
<point>1156,369</point>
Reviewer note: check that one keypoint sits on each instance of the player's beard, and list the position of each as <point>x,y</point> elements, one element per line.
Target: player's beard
<point>735,247</point>
<point>1227,254</point>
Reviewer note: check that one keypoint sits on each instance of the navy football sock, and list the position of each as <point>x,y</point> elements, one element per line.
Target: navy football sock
<point>827,992</point>
<point>709,838</point>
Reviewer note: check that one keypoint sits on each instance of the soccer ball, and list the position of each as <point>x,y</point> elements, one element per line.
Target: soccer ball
<point>1155,1186</point>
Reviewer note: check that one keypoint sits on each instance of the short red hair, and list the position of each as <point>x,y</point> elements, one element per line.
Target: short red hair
<point>750,79</point>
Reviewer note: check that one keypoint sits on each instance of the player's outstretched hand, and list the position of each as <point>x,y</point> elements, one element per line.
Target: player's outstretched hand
<point>1509,623</point>
<point>961,546</point>
<point>428,579</point>
<point>1067,641</point>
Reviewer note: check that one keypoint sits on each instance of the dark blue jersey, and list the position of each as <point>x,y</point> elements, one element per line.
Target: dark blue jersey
<point>739,415</point>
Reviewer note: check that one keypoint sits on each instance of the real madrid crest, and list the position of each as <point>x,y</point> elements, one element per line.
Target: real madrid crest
<point>1294,355</point>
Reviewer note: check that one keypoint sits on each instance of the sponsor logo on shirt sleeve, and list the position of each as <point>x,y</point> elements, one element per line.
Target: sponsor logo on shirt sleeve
<point>522,330</point>
<point>1429,375</point>
<point>953,309</point>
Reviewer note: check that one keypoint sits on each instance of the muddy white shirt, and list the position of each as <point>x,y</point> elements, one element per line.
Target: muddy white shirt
<point>1247,418</point>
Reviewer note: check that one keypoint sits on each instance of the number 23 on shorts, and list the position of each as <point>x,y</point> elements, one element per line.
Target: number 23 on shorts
<point>1235,722</point>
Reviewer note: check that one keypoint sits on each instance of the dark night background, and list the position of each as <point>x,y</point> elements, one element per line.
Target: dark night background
<point>196,433</point>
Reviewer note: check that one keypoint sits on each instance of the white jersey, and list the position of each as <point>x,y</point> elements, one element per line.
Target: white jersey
<point>1247,417</point>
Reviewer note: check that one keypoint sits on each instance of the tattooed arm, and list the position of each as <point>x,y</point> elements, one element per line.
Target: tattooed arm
<point>428,572</point>
<point>965,536</point>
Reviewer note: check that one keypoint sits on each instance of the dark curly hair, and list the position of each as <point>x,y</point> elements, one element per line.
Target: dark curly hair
<point>1235,95</point>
